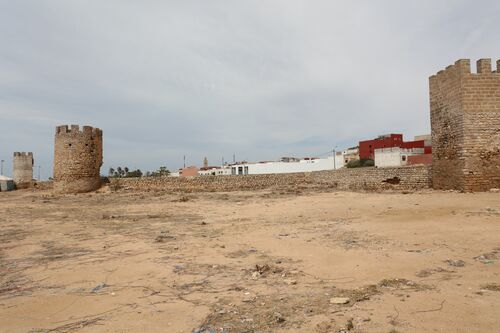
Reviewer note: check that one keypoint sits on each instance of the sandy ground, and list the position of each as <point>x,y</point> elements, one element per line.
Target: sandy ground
<point>249,262</point>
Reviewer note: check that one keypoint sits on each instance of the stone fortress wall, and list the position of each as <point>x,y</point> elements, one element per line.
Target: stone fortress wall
<point>357,179</point>
<point>465,124</point>
<point>77,159</point>
<point>22,171</point>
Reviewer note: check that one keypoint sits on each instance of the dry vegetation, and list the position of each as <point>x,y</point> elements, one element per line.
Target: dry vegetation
<point>266,261</point>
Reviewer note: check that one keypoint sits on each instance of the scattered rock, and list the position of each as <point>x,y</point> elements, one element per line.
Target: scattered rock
<point>255,275</point>
<point>290,281</point>
<point>278,317</point>
<point>163,237</point>
<point>495,190</point>
<point>349,324</point>
<point>455,263</point>
<point>178,268</point>
<point>339,300</point>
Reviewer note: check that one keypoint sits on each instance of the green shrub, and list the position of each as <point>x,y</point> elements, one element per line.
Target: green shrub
<point>364,162</point>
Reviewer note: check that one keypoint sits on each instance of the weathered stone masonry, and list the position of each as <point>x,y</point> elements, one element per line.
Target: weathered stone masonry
<point>465,123</point>
<point>22,169</point>
<point>77,159</point>
<point>364,179</point>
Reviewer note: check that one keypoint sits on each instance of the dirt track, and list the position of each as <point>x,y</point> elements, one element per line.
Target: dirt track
<point>249,262</point>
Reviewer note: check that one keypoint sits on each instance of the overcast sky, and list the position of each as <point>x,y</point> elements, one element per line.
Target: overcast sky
<point>261,79</point>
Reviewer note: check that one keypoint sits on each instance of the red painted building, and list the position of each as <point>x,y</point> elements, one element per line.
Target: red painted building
<point>367,148</point>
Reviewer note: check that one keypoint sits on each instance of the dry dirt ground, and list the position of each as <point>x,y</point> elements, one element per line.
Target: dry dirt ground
<point>265,261</point>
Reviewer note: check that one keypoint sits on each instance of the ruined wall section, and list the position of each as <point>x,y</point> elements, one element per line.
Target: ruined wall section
<point>465,127</point>
<point>23,169</point>
<point>77,159</point>
<point>356,179</point>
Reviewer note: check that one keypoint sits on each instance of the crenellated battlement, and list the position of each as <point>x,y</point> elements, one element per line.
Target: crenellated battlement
<point>462,67</point>
<point>75,130</point>
<point>465,124</point>
<point>22,169</point>
<point>27,154</point>
<point>77,158</point>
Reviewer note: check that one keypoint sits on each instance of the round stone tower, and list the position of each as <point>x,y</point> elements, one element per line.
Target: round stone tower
<point>77,159</point>
<point>23,169</point>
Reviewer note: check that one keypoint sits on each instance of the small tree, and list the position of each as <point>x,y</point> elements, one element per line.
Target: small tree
<point>161,172</point>
<point>364,162</point>
<point>134,173</point>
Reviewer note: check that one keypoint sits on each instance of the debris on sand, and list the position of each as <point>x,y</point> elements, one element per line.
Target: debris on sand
<point>402,284</point>
<point>428,272</point>
<point>204,330</point>
<point>100,286</point>
<point>491,286</point>
<point>264,270</point>
<point>163,237</point>
<point>455,263</point>
<point>278,317</point>
<point>489,257</point>
<point>339,300</point>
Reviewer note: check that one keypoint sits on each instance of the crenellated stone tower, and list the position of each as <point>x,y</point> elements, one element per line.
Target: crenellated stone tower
<point>77,159</point>
<point>22,171</point>
<point>465,124</point>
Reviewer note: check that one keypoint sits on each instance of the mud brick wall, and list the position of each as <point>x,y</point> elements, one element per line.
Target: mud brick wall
<point>465,123</point>
<point>77,159</point>
<point>22,169</point>
<point>359,179</point>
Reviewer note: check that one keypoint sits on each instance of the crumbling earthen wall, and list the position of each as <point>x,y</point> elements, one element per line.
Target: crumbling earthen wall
<point>77,159</point>
<point>22,171</point>
<point>465,123</point>
<point>358,179</point>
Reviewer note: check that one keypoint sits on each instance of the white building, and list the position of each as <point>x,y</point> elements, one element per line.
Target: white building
<point>339,160</point>
<point>215,171</point>
<point>395,156</point>
<point>350,154</point>
<point>286,165</point>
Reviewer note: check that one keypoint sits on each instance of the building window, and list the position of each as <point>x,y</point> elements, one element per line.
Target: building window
<point>246,170</point>
<point>233,171</point>
<point>403,158</point>
<point>240,170</point>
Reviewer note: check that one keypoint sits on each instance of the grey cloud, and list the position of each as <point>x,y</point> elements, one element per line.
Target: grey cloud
<point>165,79</point>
